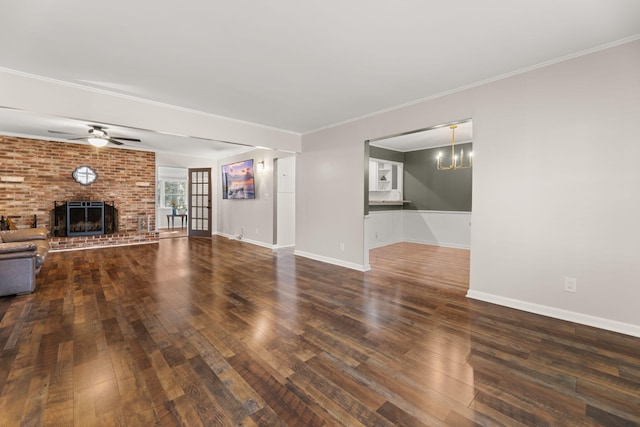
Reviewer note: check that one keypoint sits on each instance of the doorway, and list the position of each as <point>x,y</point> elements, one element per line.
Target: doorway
<point>172,199</point>
<point>200,202</point>
<point>435,208</point>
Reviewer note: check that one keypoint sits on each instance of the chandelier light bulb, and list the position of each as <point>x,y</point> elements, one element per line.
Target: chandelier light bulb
<point>454,157</point>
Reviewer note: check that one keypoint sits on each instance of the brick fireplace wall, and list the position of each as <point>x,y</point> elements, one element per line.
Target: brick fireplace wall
<point>125,176</point>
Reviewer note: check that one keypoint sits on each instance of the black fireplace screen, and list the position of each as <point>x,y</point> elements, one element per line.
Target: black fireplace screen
<point>83,218</point>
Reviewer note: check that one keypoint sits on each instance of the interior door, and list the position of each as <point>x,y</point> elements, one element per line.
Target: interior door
<point>200,202</point>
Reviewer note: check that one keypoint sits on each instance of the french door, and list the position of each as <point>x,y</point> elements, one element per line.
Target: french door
<point>200,202</point>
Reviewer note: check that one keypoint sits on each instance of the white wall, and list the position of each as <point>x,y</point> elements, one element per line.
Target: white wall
<point>47,96</point>
<point>548,202</point>
<point>450,229</point>
<point>254,218</point>
<point>384,228</point>
<point>549,199</point>
<point>330,196</point>
<point>286,202</point>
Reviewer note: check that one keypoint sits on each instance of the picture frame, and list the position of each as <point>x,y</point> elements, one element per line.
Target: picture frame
<point>238,180</point>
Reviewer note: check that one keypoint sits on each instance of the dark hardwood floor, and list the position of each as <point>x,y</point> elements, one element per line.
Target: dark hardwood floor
<point>200,332</point>
<point>172,233</point>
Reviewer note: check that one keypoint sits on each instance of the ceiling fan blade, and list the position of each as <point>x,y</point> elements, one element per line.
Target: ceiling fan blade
<point>99,132</point>
<point>126,139</point>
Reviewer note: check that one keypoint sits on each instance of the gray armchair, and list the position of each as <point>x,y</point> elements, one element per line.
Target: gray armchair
<point>22,253</point>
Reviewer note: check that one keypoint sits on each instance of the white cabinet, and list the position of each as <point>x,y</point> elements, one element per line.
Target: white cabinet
<point>385,181</point>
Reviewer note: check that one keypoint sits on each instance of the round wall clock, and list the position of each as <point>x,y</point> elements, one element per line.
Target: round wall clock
<point>84,175</point>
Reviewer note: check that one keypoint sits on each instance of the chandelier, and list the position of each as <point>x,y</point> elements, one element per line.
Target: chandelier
<point>454,157</point>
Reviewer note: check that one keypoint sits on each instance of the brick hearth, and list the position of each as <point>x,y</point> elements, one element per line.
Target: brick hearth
<point>104,240</point>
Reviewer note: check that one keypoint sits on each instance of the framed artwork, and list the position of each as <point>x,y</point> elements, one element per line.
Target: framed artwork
<point>238,180</point>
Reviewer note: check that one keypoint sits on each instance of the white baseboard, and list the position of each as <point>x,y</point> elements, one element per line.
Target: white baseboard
<point>252,242</point>
<point>557,313</point>
<point>380,244</point>
<point>284,246</point>
<point>434,243</point>
<point>421,242</point>
<point>334,261</point>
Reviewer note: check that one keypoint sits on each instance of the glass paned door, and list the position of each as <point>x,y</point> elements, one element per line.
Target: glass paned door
<point>200,202</point>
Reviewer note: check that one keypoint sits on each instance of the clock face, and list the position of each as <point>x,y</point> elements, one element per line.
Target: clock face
<point>84,175</point>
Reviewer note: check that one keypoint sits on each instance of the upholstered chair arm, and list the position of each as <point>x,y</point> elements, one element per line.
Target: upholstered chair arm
<point>24,235</point>
<point>15,250</point>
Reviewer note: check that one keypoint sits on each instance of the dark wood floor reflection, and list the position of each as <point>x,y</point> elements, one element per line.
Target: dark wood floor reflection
<point>200,332</point>
<point>172,233</point>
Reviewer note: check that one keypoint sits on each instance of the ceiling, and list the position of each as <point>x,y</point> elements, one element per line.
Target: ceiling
<point>297,65</point>
<point>23,123</point>
<point>435,136</point>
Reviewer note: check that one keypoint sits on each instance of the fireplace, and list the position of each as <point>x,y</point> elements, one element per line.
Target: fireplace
<point>83,218</point>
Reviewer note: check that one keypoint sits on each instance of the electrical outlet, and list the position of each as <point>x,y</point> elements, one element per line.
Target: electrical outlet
<point>570,284</point>
<point>341,247</point>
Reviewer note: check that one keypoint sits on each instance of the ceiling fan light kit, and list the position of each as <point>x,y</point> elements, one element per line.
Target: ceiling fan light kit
<point>98,142</point>
<point>98,137</point>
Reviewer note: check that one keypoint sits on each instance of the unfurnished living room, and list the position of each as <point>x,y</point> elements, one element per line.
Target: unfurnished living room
<point>325,213</point>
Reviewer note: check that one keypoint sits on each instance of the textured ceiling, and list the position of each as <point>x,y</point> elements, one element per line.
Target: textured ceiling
<point>292,65</point>
<point>299,65</point>
<point>38,126</point>
<point>437,136</point>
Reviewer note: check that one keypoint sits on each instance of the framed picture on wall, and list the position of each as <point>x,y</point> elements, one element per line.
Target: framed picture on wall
<point>238,180</point>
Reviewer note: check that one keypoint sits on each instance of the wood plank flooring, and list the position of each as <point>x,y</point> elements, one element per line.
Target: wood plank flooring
<point>198,332</point>
<point>172,233</point>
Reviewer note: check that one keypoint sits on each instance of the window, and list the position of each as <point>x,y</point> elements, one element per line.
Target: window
<point>84,175</point>
<point>174,194</point>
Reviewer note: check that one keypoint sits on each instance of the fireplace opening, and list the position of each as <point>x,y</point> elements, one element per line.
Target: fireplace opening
<point>83,218</point>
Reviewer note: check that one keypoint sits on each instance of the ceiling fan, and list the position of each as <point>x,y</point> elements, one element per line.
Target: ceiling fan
<point>98,137</point>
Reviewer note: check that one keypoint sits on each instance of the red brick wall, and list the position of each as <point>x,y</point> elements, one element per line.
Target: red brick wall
<point>101,241</point>
<point>47,167</point>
